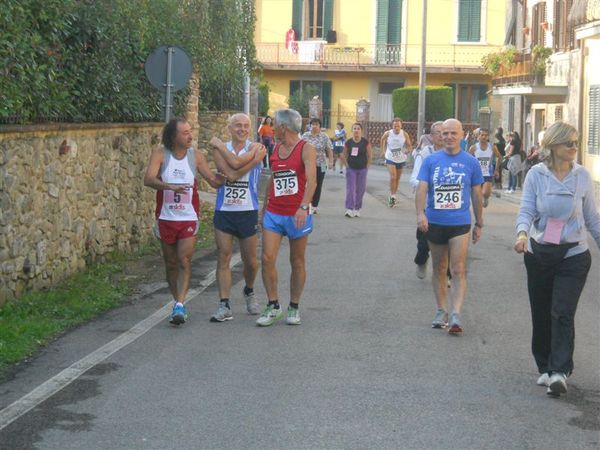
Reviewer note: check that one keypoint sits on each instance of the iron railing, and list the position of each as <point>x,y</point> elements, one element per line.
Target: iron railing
<point>303,53</point>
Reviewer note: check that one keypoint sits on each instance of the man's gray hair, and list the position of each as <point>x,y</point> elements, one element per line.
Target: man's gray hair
<point>290,118</point>
<point>437,124</point>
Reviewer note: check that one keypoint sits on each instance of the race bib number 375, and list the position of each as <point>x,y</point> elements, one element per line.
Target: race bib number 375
<point>447,196</point>
<point>285,182</point>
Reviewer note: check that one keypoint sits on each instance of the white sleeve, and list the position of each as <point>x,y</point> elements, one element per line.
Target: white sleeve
<point>416,168</point>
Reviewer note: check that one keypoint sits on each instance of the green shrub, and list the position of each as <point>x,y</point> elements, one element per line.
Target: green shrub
<point>84,61</point>
<point>263,99</point>
<point>438,103</point>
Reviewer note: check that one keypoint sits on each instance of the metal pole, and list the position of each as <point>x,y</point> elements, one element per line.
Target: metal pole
<point>168,105</point>
<point>422,74</point>
<point>247,93</point>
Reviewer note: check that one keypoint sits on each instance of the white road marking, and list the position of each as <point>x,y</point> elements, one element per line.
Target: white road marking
<point>71,373</point>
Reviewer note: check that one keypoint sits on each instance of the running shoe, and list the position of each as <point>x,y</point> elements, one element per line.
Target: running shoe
<point>440,320</point>
<point>251,304</point>
<point>455,326</point>
<point>269,316</point>
<point>391,201</point>
<point>223,314</point>
<point>178,315</point>
<point>356,213</point>
<point>421,271</point>
<point>543,380</point>
<point>557,384</point>
<point>293,316</point>
<point>349,213</point>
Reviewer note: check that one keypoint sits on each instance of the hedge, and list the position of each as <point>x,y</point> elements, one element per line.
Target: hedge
<point>439,103</point>
<point>83,61</point>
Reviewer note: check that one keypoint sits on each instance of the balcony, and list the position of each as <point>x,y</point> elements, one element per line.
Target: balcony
<point>521,79</point>
<point>318,55</point>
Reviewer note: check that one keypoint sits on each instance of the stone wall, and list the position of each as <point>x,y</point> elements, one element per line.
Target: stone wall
<point>72,194</point>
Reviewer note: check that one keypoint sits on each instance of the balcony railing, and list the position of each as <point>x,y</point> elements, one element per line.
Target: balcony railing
<point>521,73</point>
<point>304,53</point>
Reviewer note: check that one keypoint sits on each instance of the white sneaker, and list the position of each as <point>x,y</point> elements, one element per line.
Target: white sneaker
<point>269,316</point>
<point>557,384</point>
<point>543,380</point>
<point>349,213</point>
<point>357,213</point>
<point>421,271</point>
<point>293,316</point>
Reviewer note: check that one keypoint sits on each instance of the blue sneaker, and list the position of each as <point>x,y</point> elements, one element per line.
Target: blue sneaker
<point>178,315</point>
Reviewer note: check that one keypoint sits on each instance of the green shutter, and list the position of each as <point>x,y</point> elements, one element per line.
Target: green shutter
<point>326,98</point>
<point>382,21</point>
<point>469,21</point>
<point>294,86</point>
<point>327,17</point>
<point>297,11</point>
<point>394,22</point>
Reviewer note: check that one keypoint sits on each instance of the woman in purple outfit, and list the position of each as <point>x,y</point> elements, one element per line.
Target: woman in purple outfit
<point>358,155</point>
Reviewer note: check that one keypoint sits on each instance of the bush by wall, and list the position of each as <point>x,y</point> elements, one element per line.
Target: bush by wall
<point>438,103</point>
<point>76,61</point>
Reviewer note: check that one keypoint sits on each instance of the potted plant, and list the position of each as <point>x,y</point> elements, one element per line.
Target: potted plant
<point>493,63</point>
<point>539,62</point>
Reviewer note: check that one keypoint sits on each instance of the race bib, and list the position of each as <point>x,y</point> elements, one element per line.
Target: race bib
<point>447,196</point>
<point>354,151</point>
<point>176,201</point>
<point>236,193</point>
<point>398,155</point>
<point>285,182</point>
<point>339,144</point>
<point>485,166</point>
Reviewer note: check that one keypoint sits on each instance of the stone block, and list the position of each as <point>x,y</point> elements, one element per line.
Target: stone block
<point>53,191</point>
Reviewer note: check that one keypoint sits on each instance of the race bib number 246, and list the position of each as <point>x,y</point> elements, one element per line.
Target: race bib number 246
<point>447,196</point>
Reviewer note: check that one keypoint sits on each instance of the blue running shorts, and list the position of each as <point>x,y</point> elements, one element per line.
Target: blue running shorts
<point>285,225</point>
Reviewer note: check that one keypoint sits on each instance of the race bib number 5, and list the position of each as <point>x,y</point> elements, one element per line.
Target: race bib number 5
<point>236,193</point>
<point>177,201</point>
<point>285,182</point>
<point>447,196</point>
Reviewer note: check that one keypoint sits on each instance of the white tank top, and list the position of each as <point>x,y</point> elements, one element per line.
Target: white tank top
<point>240,195</point>
<point>395,147</point>
<point>485,158</point>
<point>178,206</point>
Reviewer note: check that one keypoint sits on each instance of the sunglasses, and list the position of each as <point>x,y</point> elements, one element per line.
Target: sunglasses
<point>570,144</point>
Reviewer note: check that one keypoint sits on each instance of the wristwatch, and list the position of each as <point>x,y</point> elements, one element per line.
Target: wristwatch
<point>304,207</point>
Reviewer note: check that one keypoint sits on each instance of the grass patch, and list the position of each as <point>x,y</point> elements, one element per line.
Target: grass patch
<point>38,317</point>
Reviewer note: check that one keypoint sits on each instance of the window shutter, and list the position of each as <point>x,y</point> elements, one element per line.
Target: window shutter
<point>382,21</point>
<point>326,98</point>
<point>469,21</point>
<point>394,22</point>
<point>294,86</point>
<point>297,11</point>
<point>327,17</point>
<point>594,121</point>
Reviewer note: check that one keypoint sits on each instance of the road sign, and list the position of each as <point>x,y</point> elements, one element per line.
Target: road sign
<point>168,68</point>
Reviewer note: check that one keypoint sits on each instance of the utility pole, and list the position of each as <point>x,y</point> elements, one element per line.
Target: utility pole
<point>422,74</point>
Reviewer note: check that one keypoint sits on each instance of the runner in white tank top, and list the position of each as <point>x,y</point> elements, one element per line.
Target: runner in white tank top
<point>236,212</point>
<point>395,146</point>
<point>489,160</point>
<point>172,173</point>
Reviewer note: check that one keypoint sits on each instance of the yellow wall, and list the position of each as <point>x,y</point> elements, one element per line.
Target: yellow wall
<point>354,21</point>
<point>274,18</point>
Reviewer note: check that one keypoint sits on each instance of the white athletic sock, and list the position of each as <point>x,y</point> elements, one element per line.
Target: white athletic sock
<point>178,304</point>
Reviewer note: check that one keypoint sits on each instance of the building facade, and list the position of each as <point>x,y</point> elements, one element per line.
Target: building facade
<point>347,50</point>
<point>555,74</point>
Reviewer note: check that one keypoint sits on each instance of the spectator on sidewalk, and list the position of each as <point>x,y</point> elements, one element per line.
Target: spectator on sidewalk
<point>321,142</point>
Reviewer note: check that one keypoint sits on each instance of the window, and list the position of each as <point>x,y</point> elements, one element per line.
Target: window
<point>564,36</point>
<point>312,19</point>
<point>558,113</point>
<point>471,98</point>
<point>388,88</point>
<point>538,17</point>
<point>389,31</point>
<point>469,21</point>
<point>594,121</point>
<point>315,87</point>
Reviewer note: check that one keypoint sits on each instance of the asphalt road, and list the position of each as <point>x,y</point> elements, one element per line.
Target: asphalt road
<point>364,370</point>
